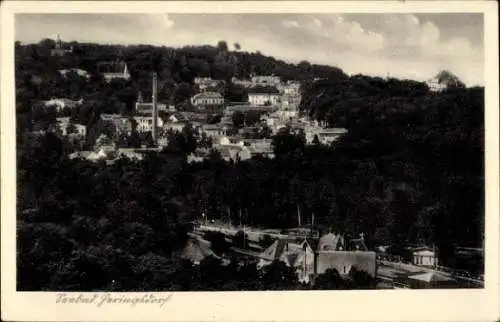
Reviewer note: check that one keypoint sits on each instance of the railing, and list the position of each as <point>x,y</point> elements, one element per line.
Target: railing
<point>442,269</point>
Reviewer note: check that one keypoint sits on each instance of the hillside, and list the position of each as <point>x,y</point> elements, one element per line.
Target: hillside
<point>410,170</point>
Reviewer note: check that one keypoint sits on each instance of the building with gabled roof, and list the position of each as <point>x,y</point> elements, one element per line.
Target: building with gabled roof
<point>336,252</point>
<point>299,255</point>
<point>424,256</point>
<point>207,99</point>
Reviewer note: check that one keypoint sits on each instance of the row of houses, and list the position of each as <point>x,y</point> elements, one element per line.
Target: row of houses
<point>307,257</point>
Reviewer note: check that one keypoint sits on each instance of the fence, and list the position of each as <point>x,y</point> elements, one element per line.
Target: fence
<point>461,274</point>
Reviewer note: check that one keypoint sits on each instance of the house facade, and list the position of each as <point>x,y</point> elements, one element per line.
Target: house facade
<point>435,85</point>
<point>424,257</point>
<point>122,124</point>
<point>292,89</point>
<point>213,130</point>
<point>207,99</point>
<point>145,123</point>
<point>262,99</point>
<point>266,80</point>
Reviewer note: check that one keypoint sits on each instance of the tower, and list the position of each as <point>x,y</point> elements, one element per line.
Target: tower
<point>155,110</point>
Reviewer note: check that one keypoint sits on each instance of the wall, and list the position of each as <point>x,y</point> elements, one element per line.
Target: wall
<point>343,261</point>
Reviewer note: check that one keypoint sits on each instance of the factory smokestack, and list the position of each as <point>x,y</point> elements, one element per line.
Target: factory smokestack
<point>155,110</point>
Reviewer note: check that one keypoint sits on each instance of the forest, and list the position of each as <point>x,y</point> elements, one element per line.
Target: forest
<point>409,171</point>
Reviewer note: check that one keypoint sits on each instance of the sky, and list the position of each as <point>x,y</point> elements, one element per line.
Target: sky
<point>412,46</point>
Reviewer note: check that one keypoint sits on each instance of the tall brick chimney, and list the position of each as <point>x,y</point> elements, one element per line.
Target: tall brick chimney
<point>155,110</point>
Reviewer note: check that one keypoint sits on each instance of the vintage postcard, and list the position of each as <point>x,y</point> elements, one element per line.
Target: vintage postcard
<point>250,161</point>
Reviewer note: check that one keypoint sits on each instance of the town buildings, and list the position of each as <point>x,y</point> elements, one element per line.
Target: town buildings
<point>68,128</point>
<point>297,255</point>
<point>214,130</point>
<point>143,107</point>
<point>245,83</point>
<point>145,123</point>
<point>326,135</point>
<point>207,83</point>
<point>263,80</point>
<point>174,126</point>
<point>290,88</point>
<point>335,252</point>
<point>258,81</point>
<point>207,99</point>
<point>122,124</point>
<point>76,71</point>
<point>443,80</point>
<point>264,99</point>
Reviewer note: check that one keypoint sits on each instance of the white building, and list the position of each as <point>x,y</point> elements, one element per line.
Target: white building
<point>61,103</point>
<point>145,123</point>
<point>435,85</point>
<point>264,98</point>
<point>213,130</point>
<point>243,82</point>
<point>206,82</point>
<point>77,71</point>
<point>425,257</point>
<point>266,80</point>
